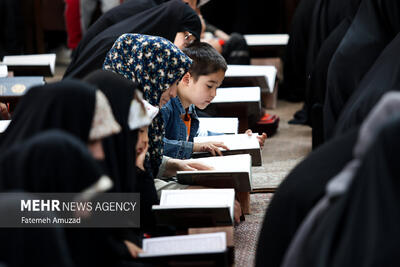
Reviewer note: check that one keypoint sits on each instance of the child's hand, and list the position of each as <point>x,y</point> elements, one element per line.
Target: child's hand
<point>133,249</point>
<point>174,165</point>
<point>4,112</point>
<point>261,138</point>
<point>212,147</point>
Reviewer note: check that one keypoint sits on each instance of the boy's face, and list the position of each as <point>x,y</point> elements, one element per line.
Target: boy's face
<point>203,91</point>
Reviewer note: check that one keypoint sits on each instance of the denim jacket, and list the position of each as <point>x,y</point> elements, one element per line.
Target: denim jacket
<point>175,144</point>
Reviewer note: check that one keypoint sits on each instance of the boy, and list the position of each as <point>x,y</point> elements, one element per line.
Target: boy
<point>197,88</point>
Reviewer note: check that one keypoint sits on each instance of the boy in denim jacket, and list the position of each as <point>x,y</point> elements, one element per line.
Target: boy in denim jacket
<point>196,89</point>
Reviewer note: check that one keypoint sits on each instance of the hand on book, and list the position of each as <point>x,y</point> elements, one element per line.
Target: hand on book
<point>212,147</point>
<point>261,138</point>
<point>133,249</point>
<point>174,165</point>
<point>4,112</point>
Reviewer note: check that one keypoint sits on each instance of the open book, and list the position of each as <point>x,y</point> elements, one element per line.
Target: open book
<point>219,125</point>
<point>195,208</point>
<point>31,65</point>
<point>266,39</point>
<point>186,244</point>
<point>251,75</point>
<point>237,144</point>
<point>188,250</point>
<point>229,172</point>
<point>3,125</point>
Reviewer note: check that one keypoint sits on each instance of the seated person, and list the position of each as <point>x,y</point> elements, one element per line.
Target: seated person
<point>4,115</point>
<point>196,89</point>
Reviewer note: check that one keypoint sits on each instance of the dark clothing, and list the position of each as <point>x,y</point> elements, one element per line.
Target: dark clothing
<point>111,17</point>
<point>374,26</point>
<point>164,20</point>
<point>20,247</point>
<point>383,76</point>
<point>360,228</point>
<point>316,87</point>
<point>298,194</point>
<point>67,105</point>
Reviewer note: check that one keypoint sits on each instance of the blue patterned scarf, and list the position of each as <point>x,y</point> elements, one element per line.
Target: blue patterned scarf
<point>155,64</point>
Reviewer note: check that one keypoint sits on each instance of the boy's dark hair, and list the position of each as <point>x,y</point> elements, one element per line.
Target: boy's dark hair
<point>206,59</point>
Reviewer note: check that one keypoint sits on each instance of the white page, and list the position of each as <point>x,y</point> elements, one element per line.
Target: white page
<point>3,125</point>
<point>232,163</point>
<point>197,197</point>
<point>268,72</point>
<point>39,59</point>
<point>233,142</point>
<point>219,125</point>
<point>186,244</point>
<point>3,71</point>
<point>266,39</point>
<point>237,94</point>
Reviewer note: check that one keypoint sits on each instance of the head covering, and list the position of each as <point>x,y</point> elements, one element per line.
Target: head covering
<point>68,105</point>
<point>164,20</point>
<point>111,17</point>
<point>155,64</point>
<point>120,154</point>
<point>374,26</point>
<point>141,113</point>
<point>52,161</point>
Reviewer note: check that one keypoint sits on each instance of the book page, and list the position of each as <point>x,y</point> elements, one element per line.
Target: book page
<point>3,71</point>
<point>198,197</point>
<point>232,163</point>
<point>233,142</point>
<point>237,94</point>
<point>219,125</point>
<point>268,72</point>
<point>3,125</point>
<point>266,39</point>
<point>186,244</point>
<point>28,60</point>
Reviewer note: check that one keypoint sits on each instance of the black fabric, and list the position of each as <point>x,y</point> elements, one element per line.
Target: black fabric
<point>316,87</point>
<point>383,76</point>
<point>20,247</point>
<point>120,149</point>
<point>120,156</point>
<point>67,105</point>
<point>164,20</point>
<point>236,51</point>
<point>361,227</point>
<point>294,67</point>
<point>376,24</point>
<point>52,161</point>
<point>12,28</point>
<point>111,17</point>
<point>298,194</point>
<point>326,16</point>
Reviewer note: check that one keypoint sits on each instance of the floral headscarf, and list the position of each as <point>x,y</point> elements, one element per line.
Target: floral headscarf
<point>155,64</point>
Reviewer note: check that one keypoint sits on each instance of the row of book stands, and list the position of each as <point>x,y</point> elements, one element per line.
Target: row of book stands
<point>204,217</point>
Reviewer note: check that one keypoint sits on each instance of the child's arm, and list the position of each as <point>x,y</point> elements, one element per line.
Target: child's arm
<point>212,147</point>
<point>178,149</point>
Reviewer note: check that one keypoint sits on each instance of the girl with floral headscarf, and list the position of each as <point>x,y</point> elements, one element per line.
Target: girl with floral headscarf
<point>157,66</point>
